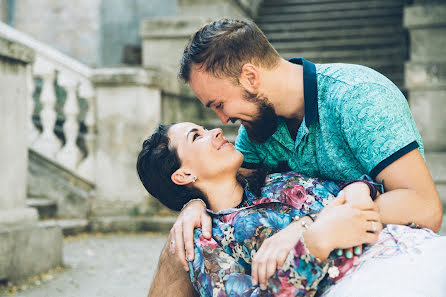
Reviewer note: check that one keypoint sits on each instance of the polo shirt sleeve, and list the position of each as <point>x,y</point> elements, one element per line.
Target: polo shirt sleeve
<point>247,148</point>
<point>377,124</point>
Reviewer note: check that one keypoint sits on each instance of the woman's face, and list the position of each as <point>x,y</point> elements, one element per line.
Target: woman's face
<point>205,154</point>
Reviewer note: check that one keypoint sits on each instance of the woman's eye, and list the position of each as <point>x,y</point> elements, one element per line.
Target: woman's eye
<point>219,106</point>
<point>195,136</point>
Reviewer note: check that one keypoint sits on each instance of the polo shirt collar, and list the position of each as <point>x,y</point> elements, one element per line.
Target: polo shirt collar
<point>310,90</point>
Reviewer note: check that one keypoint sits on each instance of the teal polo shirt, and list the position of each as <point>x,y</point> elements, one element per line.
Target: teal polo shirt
<point>356,122</point>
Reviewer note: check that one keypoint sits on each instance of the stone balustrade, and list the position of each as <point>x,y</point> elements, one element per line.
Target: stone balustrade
<point>26,247</point>
<point>58,72</point>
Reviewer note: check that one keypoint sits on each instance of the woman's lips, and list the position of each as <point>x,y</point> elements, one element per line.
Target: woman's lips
<point>224,143</point>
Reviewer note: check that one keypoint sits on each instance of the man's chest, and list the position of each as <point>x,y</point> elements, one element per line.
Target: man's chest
<point>321,152</point>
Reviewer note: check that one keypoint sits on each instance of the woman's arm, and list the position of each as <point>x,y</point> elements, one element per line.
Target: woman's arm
<point>216,273</point>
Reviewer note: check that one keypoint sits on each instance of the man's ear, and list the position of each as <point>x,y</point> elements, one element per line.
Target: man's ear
<point>181,177</point>
<point>250,77</point>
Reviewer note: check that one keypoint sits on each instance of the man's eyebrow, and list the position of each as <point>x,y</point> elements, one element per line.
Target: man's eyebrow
<point>208,105</point>
<point>190,131</point>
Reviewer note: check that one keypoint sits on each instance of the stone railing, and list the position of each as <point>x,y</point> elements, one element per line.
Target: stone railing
<point>54,78</point>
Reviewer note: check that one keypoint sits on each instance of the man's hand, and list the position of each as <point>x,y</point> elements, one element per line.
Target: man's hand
<point>274,251</point>
<point>182,233</point>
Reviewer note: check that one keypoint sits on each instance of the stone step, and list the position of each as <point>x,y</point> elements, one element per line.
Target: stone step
<point>46,208</point>
<point>301,25</point>
<point>336,33</point>
<point>68,226</point>
<point>297,2</point>
<point>333,56</point>
<point>384,41</point>
<point>298,8</point>
<point>131,224</point>
<point>333,15</point>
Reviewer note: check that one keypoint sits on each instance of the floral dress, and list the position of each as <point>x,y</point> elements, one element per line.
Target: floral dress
<point>222,264</point>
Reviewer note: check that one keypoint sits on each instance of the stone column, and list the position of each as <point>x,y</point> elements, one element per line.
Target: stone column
<point>128,107</point>
<point>13,131</point>
<point>425,76</point>
<point>164,39</point>
<point>26,247</point>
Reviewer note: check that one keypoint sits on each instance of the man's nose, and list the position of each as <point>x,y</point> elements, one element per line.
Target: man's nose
<point>223,118</point>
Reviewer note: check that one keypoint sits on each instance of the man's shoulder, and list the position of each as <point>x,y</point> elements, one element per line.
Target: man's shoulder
<point>349,76</point>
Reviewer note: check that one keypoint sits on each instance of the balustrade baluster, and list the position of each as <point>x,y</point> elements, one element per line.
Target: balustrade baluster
<point>70,154</point>
<point>86,167</point>
<point>33,132</point>
<point>47,143</point>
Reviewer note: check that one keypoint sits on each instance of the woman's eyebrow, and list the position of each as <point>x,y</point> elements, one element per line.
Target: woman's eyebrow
<point>190,131</point>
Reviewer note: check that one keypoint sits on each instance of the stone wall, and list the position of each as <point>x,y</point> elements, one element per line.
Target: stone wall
<point>72,27</point>
<point>120,22</point>
<point>94,32</point>
<point>426,81</point>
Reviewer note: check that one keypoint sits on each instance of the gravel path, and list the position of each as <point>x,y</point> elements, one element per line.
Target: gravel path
<point>116,265</point>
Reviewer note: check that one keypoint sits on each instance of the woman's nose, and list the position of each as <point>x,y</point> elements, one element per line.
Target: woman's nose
<point>217,133</point>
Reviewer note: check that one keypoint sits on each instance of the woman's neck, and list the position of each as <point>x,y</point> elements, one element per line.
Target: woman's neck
<point>224,193</point>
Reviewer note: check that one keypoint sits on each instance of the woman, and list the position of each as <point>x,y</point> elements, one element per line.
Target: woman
<point>185,161</point>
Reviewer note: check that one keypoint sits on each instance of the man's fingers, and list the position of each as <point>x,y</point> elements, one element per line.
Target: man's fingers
<point>179,247</point>
<point>206,225</point>
<point>188,237</point>
<point>171,241</point>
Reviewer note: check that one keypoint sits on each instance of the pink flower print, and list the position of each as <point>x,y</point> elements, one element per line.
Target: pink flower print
<point>294,196</point>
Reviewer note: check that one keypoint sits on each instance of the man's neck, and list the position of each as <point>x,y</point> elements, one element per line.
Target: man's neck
<point>287,92</point>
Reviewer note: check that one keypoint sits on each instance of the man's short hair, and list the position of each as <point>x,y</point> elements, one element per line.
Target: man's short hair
<point>224,46</point>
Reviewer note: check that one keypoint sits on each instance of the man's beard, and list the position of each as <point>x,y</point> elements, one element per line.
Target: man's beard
<point>265,123</point>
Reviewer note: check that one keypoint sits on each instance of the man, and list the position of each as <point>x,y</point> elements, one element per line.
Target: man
<point>334,121</point>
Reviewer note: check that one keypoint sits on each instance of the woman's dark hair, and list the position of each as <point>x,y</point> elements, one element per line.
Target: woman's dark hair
<point>156,164</point>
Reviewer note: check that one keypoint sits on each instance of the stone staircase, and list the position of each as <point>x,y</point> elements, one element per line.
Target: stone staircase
<point>327,31</point>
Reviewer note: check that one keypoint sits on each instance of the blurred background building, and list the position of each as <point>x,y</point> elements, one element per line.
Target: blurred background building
<point>84,82</point>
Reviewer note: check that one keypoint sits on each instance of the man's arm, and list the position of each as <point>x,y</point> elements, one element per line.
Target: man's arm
<point>410,195</point>
<point>380,131</point>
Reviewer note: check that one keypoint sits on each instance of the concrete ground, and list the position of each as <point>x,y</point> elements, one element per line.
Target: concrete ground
<point>97,265</point>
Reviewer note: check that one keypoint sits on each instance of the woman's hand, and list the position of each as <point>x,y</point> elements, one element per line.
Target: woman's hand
<point>358,195</point>
<point>274,251</point>
<point>182,233</point>
<point>341,225</point>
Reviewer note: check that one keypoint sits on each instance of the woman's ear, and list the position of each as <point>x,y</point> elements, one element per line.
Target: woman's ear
<point>182,177</point>
<point>250,77</point>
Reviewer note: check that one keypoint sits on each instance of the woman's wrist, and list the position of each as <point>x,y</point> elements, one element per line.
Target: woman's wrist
<point>316,242</point>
